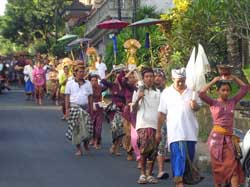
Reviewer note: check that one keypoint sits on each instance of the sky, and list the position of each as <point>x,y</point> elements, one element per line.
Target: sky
<point>2,6</point>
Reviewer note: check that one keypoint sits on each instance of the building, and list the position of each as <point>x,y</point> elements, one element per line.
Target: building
<point>108,9</point>
<point>160,5</point>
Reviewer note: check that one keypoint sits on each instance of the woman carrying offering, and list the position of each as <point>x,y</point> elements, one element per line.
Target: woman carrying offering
<point>222,143</point>
<point>114,110</point>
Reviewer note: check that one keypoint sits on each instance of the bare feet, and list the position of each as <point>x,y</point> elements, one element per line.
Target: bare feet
<point>86,146</point>
<point>139,165</point>
<point>112,149</point>
<point>78,153</point>
<point>130,157</point>
<point>98,147</point>
<point>40,101</point>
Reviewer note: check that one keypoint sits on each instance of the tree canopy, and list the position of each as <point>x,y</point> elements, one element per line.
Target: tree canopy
<point>26,22</point>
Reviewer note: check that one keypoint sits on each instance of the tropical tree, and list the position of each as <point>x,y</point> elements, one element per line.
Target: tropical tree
<point>217,25</point>
<point>30,22</point>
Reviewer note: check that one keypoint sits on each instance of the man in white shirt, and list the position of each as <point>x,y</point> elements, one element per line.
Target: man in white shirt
<point>101,67</point>
<point>27,72</point>
<point>145,103</point>
<point>178,105</point>
<point>78,99</point>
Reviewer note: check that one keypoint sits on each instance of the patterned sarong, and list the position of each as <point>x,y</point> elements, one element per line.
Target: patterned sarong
<point>147,143</point>
<point>117,126</point>
<point>80,127</point>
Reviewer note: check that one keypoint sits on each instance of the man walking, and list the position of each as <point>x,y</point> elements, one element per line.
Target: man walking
<point>145,102</point>
<point>78,99</point>
<point>178,106</point>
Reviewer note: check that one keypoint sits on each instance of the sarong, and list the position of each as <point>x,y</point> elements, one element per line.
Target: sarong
<point>162,144</point>
<point>179,156</point>
<point>134,139</point>
<point>127,137</point>
<point>224,165</point>
<point>223,171</point>
<point>98,118</point>
<point>80,127</point>
<point>117,126</point>
<point>147,143</point>
<point>29,87</point>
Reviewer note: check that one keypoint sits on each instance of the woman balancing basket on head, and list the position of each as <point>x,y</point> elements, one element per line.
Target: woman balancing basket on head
<point>223,145</point>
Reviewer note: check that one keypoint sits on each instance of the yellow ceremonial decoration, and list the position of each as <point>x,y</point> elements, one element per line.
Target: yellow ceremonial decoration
<point>131,47</point>
<point>92,58</point>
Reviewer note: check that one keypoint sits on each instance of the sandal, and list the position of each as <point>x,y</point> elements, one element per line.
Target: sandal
<point>152,180</point>
<point>142,179</point>
<point>163,175</point>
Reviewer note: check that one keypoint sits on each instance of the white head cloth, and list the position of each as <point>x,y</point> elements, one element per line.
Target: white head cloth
<point>179,73</point>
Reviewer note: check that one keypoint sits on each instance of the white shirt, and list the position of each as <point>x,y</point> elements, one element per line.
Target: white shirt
<point>46,69</point>
<point>78,94</point>
<point>101,68</point>
<point>27,71</point>
<point>181,121</point>
<point>147,111</point>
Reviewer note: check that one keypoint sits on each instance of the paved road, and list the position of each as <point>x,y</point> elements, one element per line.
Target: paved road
<point>35,153</point>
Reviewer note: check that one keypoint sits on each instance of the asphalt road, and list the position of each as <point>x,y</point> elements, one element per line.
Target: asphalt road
<point>34,151</point>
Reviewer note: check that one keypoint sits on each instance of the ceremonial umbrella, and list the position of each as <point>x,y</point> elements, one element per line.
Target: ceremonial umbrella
<point>78,41</point>
<point>148,22</point>
<point>113,24</point>
<point>67,37</point>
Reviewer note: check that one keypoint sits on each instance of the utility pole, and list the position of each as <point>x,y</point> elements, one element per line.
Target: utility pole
<point>119,9</point>
<point>134,17</point>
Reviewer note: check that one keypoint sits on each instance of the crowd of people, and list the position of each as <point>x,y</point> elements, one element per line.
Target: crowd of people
<point>147,118</point>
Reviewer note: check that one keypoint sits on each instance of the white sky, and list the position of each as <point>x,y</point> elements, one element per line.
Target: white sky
<point>2,6</point>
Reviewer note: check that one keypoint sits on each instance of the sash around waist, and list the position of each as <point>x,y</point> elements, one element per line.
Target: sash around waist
<point>77,105</point>
<point>225,132</point>
<point>221,130</point>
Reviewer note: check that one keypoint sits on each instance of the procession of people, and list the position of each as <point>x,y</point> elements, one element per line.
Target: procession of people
<point>149,119</point>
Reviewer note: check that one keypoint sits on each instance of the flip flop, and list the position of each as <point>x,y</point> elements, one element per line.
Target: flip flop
<point>163,175</point>
<point>142,179</point>
<point>152,180</point>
